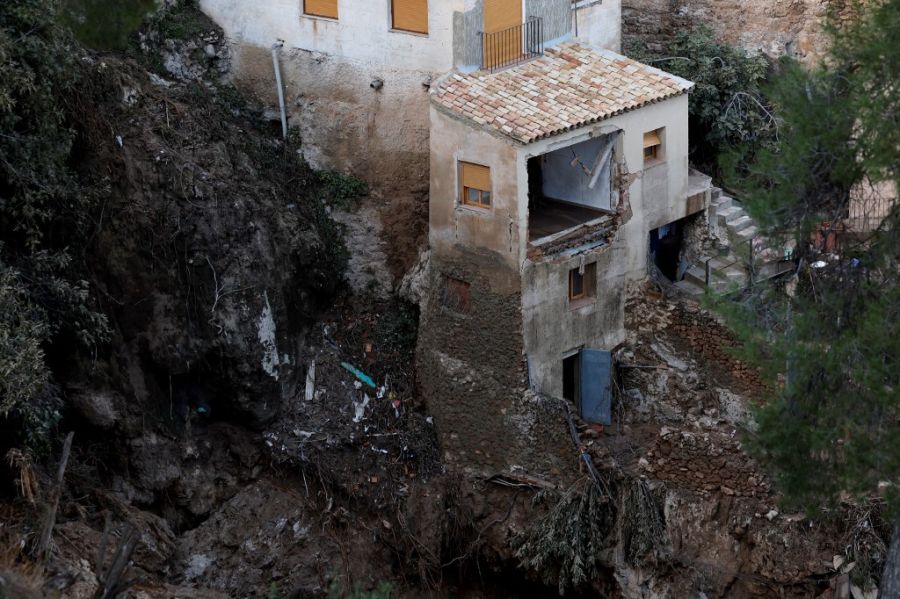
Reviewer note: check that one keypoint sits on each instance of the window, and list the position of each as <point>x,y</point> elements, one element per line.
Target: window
<point>321,8</point>
<point>475,185</point>
<point>456,294</point>
<point>581,283</point>
<point>653,145</point>
<point>410,15</point>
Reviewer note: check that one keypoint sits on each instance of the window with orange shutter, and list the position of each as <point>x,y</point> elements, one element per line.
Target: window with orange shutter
<point>475,185</point>
<point>321,8</point>
<point>410,15</point>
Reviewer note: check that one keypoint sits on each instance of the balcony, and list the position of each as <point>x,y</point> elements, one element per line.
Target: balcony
<point>512,46</point>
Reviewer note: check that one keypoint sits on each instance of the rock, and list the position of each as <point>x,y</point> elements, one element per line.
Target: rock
<point>98,407</point>
<point>771,515</point>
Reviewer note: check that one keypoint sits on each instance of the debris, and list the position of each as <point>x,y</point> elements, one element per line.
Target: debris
<point>311,381</point>
<point>360,375</point>
<point>520,480</point>
<point>772,515</point>
<point>360,407</point>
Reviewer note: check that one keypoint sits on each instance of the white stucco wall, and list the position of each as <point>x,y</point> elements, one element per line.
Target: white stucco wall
<point>599,23</point>
<point>651,207</point>
<point>450,223</point>
<point>362,32</point>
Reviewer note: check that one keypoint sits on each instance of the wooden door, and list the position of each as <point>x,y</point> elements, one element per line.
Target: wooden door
<point>503,31</point>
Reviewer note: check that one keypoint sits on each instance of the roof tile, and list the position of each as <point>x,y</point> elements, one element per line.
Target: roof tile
<point>570,86</point>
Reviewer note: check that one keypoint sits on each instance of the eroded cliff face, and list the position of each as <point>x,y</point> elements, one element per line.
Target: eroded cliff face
<point>775,27</point>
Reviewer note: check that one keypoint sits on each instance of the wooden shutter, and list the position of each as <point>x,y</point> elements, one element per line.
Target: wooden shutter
<point>321,8</point>
<point>476,176</point>
<point>502,14</point>
<point>410,15</point>
<point>652,139</point>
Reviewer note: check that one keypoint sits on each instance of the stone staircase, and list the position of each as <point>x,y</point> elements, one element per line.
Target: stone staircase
<point>730,268</point>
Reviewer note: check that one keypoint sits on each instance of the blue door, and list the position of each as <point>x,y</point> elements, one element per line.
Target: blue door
<point>596,386</point>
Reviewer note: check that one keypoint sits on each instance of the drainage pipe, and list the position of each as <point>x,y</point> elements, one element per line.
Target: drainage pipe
<point>275,48</point>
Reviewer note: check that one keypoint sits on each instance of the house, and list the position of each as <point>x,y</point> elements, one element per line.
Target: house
<point>357,72</point>
<point>556,170</point>
<point>552,181</point>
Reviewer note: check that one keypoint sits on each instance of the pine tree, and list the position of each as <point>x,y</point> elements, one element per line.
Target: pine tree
<point>831,429</point>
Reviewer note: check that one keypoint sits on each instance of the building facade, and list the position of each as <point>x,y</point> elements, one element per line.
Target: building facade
<point>547,179</point>
<point>357,72</point>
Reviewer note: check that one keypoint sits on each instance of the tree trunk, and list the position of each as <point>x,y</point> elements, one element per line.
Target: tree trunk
<point>890,580</point>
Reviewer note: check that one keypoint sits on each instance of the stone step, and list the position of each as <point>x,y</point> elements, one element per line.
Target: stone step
<point>727,213</point>
<point>748,233</point>
<point>691,289</point>
<point>735,273</point>
<point>739,224</point>
<point>696,274</point>
<point>723,203</point>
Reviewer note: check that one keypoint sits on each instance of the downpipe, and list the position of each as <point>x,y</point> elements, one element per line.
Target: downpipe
<point>277,64</point>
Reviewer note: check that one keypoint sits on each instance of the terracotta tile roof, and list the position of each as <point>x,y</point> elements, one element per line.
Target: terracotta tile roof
<point>572,85</point>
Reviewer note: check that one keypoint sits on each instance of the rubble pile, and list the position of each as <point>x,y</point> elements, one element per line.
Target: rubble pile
<point>707,463</point>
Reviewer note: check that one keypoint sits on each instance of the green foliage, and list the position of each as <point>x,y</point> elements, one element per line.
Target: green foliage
<point>181,21</point>
<point>832,424</point>
<point>341,190</point>
<point>565,547</point>
<point>727,107</point>
<point>106,24</point>
<point>809,172</point>
<point>45,212</point>
<point>382,591</point>
<point>23,374</point>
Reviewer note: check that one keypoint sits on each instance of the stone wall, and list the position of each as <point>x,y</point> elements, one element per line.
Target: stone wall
<point>471,372</point>
<point>775,27</point>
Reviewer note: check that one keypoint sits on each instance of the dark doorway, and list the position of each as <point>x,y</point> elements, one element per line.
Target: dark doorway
<point>571,378</point>
<point>665,248</point>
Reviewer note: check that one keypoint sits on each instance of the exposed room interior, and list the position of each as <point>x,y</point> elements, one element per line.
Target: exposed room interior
<point>571,186</point>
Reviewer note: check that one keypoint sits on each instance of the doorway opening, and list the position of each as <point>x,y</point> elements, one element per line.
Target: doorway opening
<point>665,249</point>
<point>571,377</point>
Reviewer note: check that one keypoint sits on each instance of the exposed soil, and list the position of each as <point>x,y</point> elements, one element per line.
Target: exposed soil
<point>257,423</point>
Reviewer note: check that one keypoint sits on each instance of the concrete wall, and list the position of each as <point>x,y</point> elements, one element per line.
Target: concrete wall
<point>663,198</point>
<point>553,326</point>
<point>451,224</point>
<point>362,33</point>
<point>564,181</point>
<point>328,66</point>
<point>599,23</point>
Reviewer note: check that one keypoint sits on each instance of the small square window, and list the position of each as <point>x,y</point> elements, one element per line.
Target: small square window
<point>456,294</point>
<point>475,184</point>
<point>581,282</point>
<point>653,145</point>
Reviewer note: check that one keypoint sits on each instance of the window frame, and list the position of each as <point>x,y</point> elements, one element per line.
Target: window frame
<point>657,153</point>
<point>313,15</point>
<point>393,27</point>
<point>588,278</point>
<point>464,189</point>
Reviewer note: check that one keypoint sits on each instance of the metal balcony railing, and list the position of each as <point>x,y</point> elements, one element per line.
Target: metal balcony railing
<point>512,46</point>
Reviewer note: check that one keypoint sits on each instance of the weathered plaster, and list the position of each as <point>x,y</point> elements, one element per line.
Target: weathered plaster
<point>451,224</point>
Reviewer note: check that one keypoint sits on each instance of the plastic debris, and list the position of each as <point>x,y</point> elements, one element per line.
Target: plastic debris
<point>311,381</point>
<point>359,374</point>
<point>360,407</point>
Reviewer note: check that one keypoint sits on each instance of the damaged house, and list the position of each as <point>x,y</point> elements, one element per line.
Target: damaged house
<point>557,170</point>
<point>553,182</point>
